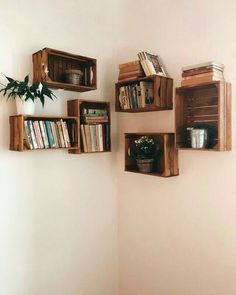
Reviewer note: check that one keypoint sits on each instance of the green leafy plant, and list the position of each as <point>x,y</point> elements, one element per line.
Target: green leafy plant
<point>25,91</point>
<point>145,148</point>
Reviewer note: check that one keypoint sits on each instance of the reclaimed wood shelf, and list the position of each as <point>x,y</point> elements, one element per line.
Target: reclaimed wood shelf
<point>18,136</point>
<point>166,162</point>
<point>49,66</point>
<point>76,108</point>
<point>206,105</point>
<point>163,94</point>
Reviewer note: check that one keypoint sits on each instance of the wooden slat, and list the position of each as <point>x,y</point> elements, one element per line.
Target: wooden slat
<point>163,92</point>
<point>169,94</point>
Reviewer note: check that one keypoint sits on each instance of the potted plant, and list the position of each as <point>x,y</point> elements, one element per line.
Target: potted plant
<point>145,153</point>
<point>25,94</point>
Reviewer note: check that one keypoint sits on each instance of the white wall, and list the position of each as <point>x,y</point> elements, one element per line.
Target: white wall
<point>58,227</point>
<point>177,235</point>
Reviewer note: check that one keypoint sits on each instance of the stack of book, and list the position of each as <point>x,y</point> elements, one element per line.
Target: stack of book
<point>95,130</point>
<point>202,73</point>
<point>94,116</point>
<point>136,95</point>
<point>46,134</point>
<point>130,71</point>
<point>95,137</point>
<point>151,64</point>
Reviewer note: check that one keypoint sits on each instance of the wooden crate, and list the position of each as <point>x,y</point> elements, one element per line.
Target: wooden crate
<point>166,162</point>
<point>49,66</point>
<point>163,94</point>
<point>75,107</point>
<point>208,106</point>
<point>18,134</point>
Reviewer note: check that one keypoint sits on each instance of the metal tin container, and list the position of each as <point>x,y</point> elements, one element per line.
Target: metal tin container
<point>74,76</point>
<point>198,138</point>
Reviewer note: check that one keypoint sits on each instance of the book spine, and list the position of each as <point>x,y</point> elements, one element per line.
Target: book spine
<point>92,129</point>
<point>100,138</point>
<point>197,72</point>
<point>130,74</point>
<point>29,139</point>
<point>67,134</point>
<point>107,137</point>
<point>43,133</point>
<point>128,64</point>
<point>196,81</point>
<point>64,132</point>
<point>59,127</point>
<point>52,124</point>
<point>84,139</point>
<point>209,75</point>
<point>37,134</point>
<point>57,134</point>
<point>49,134</point>
<point>150,66</point>
<point>143,64</point>
<point>88,137</point>
<point>131,69</point>
<point>32,134</point>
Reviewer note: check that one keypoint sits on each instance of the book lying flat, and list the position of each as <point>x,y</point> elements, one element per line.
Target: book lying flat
<point>203,65</point>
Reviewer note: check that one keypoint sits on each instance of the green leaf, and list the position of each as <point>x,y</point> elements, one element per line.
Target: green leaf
<point>26,79</point>
<point>9,79</point>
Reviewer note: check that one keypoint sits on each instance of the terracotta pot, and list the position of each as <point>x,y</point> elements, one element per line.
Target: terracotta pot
<point>145,165</point>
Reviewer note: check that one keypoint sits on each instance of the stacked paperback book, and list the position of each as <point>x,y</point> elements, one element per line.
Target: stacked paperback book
<point>95,130</point>
<point>136,95</point>
<point>151,64</point>
<point>202,73</point>
<point>130,71</point>
<point>46,134</point>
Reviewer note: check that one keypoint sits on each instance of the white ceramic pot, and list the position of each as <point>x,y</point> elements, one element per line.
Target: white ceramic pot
<point>24,107</point>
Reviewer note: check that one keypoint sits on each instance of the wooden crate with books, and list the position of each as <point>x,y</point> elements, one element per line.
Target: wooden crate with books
<point>205,106</point>
<point>94,125</point>
<point>165,162</point>
<point>28,133</point>
<point>152,93</point>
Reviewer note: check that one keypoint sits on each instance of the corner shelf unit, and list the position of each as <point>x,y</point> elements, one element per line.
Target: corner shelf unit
<point>94,134</point>
<point>206,105</point>
<point>166,162</point>
<point>162,90</point>
<point>19,139</point>
<point>49,66</point>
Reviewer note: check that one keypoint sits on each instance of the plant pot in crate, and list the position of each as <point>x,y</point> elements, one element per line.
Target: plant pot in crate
<point>145,165</point>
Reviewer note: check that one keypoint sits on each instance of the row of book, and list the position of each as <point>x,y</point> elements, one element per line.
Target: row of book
<point>202,73</point>
<point>95,137</point>
<point>130,71</point>
<point>136,95</point>
<point>46,134</point>
<point>151,64</point>
<point>94,116</point>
